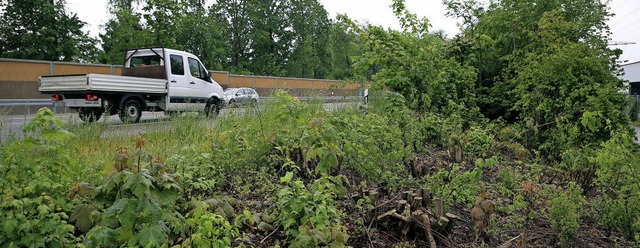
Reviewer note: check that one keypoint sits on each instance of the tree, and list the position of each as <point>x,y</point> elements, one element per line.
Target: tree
<point>271,39</point>
<point>344,45</point>
<point>310,57</point>
<point>566,87</point>
<point>122,32</point>
<point>417,65</point>
<point>41,29</point>
<point>498,33</point>
<point>545,65</point>
<point>239,26</point>
<point>161,18</point>
<point>201,31</point>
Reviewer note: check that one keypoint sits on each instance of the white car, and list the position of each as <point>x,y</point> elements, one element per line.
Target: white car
<point>241,96</point>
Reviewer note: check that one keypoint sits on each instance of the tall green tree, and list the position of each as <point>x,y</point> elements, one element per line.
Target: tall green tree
<point>310,57</point>
<point>239,26</point>
<point>161,17</point>
<point>271,39</point>
<point>344,45</point>
<point>123,31</point>
<point>204,33</point>
<point>43,30</point>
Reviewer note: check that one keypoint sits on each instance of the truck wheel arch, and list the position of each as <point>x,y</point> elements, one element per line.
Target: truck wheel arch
<point>138,98</point>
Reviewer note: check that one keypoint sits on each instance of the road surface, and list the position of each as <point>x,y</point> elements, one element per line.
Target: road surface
<point>10,125</point>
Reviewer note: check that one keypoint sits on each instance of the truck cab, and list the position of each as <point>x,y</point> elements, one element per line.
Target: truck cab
<point>189,85</point>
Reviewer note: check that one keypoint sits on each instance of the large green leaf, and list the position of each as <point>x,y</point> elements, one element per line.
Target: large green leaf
<point>328,161</point>
<point>152,236</point>
<point>139,184</point>
<point>83,216</point>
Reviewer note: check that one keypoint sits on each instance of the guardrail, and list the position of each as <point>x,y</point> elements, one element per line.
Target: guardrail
<point>48,102</point>
<point>40,102</point>
<point>24,102</point>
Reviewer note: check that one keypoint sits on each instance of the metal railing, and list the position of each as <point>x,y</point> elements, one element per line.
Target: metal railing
<point>24,102</point>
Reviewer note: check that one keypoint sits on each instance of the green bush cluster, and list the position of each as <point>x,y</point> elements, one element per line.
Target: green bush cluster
<point>565,211</point>
<point>35,174</point>
<point>309,216</point>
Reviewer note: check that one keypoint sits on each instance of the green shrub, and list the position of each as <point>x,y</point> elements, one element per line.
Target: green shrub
<point>209,229</point>
<point>565,211</point>
<point>477,141</point>
<point>35,173</point>
<point>618,204</point>
<point>309,217</point>
<point>456,186</point>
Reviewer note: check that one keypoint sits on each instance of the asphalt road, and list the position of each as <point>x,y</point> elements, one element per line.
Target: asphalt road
<point>10,125</point>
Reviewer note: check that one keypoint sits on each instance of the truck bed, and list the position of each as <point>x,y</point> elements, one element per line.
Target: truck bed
<point>101,83</point>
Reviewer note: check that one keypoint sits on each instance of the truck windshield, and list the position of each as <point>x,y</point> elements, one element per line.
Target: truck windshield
<point>145,60</point>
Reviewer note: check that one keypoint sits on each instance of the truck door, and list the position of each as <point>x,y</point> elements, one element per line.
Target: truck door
<point>178,84</point>
<point>199,86</point>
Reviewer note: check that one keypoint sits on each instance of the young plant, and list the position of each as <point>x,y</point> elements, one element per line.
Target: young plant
<point>309,217</point>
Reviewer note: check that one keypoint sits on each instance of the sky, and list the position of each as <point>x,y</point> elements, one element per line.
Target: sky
<point>625,25</point>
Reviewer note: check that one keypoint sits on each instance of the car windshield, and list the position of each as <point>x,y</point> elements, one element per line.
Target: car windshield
<point>229,90</point>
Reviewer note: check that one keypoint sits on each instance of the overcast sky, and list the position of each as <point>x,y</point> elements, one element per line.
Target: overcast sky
<point>625,25</point>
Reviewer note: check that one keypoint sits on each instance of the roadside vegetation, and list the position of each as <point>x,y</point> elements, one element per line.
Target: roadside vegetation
<point>513,133</point>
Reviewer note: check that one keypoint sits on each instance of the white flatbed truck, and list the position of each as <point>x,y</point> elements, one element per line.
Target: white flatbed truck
<point>153,79</point>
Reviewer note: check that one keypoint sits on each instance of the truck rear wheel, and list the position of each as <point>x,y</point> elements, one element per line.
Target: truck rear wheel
<point>89,114</point>
<point>131,111</point>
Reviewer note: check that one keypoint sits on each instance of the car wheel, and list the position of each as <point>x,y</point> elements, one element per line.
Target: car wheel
<point>131,111</point>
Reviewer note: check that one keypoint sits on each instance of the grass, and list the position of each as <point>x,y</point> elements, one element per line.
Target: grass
<point>254,153</point>
<point>95,144</point>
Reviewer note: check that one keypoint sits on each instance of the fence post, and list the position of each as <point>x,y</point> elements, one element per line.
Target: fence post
<point>51,68</point>
<point>228,80</point>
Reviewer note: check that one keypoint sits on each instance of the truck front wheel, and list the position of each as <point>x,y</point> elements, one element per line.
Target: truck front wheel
<point>131,111</point>
<point>89,114</point>
<point>212,109</point>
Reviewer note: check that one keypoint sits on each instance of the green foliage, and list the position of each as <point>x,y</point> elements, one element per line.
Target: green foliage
<point>618,182</point>
<point>209,230</point>
<point>456,186</point>
<point>43,30</point>
<point>415,65</point>
<point>309,216</point>
<point>193,172</point>
<point>139,205</point>
<point>565,211</point>
<point>371,145</point>
<point>544,64</point>
<point>34,178</point>
<point>477,141</point>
